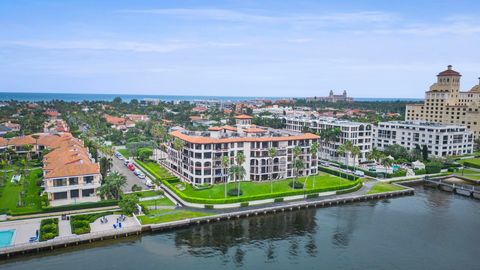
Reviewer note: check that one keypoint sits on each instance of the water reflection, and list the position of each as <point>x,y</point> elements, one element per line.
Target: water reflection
<point>261,232</point>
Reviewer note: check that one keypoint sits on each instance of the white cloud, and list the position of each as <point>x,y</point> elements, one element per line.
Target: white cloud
<point>250,17</point>
<point>111,45</point>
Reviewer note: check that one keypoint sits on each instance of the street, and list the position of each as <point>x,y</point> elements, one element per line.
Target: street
<point>132,179</point>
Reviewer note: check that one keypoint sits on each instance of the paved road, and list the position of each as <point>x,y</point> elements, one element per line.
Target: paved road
<point>132,179</point>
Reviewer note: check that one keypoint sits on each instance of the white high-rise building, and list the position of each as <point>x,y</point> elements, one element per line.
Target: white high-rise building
<point>441,140</point>
<point>360,134</point>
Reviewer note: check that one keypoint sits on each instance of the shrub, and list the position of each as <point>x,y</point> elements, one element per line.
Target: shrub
<point>433,167</point>
<point>397,173</point>
<point>128,203</point>
<point>208,206</point>
<point>295,184</point>
<point>136,188</point>
<point>244,204</point>
<point>47,236</point>
<point>278,200</point>
<point>420,171</point>
<point>311,196</point>
<point>338,173</point>
<point>48,229</point>
<point>471,164</point>
<point>81,230</point>
<point>452,169</point>
<point>145,209</point>
<point>234,192</point>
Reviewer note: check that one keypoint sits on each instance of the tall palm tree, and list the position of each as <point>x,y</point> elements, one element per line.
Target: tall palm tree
<point>297,163</point>
<point>225,164</point>
<point>355,152</point>
<point>36,137</point>
<point>272,152</point>
<point>159,132</point>
<point>178,146</point>
<point>313,152</point>
<point>240,159</point>
<point>112,185</point>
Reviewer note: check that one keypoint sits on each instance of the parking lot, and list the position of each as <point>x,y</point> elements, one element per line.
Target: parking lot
<point>132,179</point>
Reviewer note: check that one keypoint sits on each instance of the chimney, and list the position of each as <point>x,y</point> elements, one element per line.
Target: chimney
<point>449,67</point>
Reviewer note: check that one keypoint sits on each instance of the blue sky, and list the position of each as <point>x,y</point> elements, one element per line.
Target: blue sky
<point>236,48</point>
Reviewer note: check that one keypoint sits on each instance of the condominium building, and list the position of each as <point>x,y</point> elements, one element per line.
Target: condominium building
<point>441,140</point>
<point>360,134</point>
<point>69,174</point>
<point>199,159</point>
<point>445,103</point>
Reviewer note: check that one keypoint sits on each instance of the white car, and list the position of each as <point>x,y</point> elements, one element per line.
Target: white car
<point>149,183</point>
<point>141,176</point>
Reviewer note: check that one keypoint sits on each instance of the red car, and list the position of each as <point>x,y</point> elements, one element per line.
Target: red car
<point>131,167</point>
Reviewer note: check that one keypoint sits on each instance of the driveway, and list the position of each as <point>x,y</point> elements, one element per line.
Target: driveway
<point>132,179</point>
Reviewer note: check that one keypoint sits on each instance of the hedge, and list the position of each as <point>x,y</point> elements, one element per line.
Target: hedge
<point>244,204</point>
<point>278,200</point>
<point>80,224</point>
<point>311,196</point>
<point>48,229</point>
<point>337,173</point>
<point>344,191</point>
<point>471,164</point>
<point>367,172</point>
<point>184,197</point>
<point>70,207</point>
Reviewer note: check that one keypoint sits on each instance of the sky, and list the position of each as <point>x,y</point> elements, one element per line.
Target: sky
<point>389,49</point>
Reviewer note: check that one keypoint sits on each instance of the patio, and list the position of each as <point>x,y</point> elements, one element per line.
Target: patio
<point>98,226</point>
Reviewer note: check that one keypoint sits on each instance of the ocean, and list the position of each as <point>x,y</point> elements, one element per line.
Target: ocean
<point>78,97</point>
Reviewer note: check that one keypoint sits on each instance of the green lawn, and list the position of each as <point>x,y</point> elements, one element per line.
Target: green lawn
<point>321,180</point>
<point>10,194</point>
<point>166,215</point>
<point>468,173</point>
<point>124,153</point>
<point>383,187</point>
<point>155,169</point>
<point>158,202</point>
<point>471,160</point>
<point>148,193</point>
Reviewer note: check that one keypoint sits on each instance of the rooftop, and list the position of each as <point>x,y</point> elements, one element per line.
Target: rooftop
<point>449,72</point>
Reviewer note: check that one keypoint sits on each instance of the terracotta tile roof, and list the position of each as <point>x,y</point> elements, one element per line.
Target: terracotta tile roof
<point>254,130</point>
<point>243,116</point>
<point>21,140</point>
<point>207,140</point>
<point>3,141</point>
<point>230,128</point>
<point>115,120</point>
<point>449,72</point>
<point>215,128</point>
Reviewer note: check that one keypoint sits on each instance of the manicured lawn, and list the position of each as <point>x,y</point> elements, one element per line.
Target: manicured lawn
<point>158,202</point>
<point>257,188</point>
<point>155,169</point>
<point>468,173</point>
<point>124,153</point>
<point>470,160</point>
<point>10,194</point>
<point>148,193</point>
<point>383,187</point>
<point>166,215</point>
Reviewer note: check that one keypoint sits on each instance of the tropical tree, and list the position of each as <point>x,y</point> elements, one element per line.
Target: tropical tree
<point>374,155</point>
<point>272,153</point>
<point>225,164</point>
<point>28,148</point>
<point>178,146</point>
<point>128,203</point>
<point>313,152</point>
<point>160,134</point>
<point>240,171</point>
<point>297,163</point>
<point>112,185</point>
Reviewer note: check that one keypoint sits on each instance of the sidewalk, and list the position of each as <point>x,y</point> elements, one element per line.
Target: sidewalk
<point>89,210</point>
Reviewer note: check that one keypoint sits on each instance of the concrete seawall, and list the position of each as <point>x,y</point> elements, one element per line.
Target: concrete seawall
<point>286,206</point>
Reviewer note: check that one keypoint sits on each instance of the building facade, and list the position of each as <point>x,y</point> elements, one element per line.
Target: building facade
<point>441,140</point>
<point>445,103</point>
<point>333,98</point>
<point>360,134</point>
<point>199,159</point>
<point>69,173</point>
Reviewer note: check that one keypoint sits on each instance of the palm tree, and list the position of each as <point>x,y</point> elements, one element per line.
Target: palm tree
<point>36,137</point>
<point>355,152</point>
<point>28,148</point>
<point>297,163</point>
<point>240,159</point>
<point>178,146</point>
<point>330,135</point>
<point>112,185</point>
<point>159,132</point>
<point>225,164</point>
<point>386,162</point>
<point>313,152</point>
<point>272,152</point>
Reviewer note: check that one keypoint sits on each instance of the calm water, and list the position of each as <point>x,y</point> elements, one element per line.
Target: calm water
<point>78,97</point>
<point>431,230</point>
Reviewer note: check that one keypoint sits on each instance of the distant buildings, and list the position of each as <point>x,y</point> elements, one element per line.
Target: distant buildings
<point>126,122</point>
<point>333,98</point>
<point>200,158</point>
<point>360,134</point>
<point>441,140</point>
<point>9,127</point>
<point>445,103</point>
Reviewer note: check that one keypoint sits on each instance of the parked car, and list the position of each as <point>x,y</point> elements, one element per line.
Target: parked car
<point>120,157</point>
<point>359,173</point>
<point>131,167</point>
<point>149,183</point>
<point>137,172</point>
<point>141,176</point>
<point>126,162</point>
